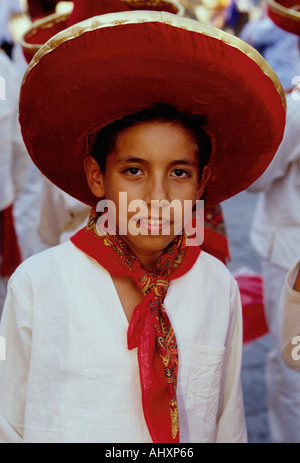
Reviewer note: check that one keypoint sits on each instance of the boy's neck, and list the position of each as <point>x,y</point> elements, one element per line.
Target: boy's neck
<point>149,261</point>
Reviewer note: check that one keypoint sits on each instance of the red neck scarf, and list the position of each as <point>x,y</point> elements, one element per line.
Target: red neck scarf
<point>150,330</point>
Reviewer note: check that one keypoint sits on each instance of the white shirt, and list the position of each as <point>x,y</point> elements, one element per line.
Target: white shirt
<point>289,310</point>
<point>69,377</point>
<point>275,232</point>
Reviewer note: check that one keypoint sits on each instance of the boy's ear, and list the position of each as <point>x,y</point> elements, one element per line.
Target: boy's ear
<point>94,176</point>
<point>205,176</point>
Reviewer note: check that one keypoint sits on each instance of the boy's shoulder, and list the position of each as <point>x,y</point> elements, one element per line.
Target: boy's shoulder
<point>66,254</point>
<point>213,266</point>
<point>66,262</point>
<point>53,263</point>
<point>49,256</point>
<point>214,273</point>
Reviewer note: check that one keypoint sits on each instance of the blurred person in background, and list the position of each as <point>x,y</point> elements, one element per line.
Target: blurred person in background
<point>289,313</point>
<point>8,8</point>
<point>275,236</point>
<point>13,169</point>
<point>279,47</point>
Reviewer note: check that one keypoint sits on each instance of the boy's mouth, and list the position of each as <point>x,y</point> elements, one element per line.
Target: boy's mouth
<point>154,226</point>
<point>155,222</point>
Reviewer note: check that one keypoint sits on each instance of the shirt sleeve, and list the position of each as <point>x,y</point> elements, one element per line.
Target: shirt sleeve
<point>289,310</point>
<point>232,423</point>
<point>15,329</point>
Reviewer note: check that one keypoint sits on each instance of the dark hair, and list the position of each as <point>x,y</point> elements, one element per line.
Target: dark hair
<point>107,137</point>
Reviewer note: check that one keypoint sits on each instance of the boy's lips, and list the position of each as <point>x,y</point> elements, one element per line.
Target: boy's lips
<point>154,221</point>
<point>153,225</point>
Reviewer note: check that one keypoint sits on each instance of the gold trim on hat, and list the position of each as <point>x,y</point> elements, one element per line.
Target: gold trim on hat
<point>44,23</point>
<point>135,17</point>
<point>284,11</point>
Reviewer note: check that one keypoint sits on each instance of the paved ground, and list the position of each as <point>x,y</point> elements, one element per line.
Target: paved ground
<point>238,212</point>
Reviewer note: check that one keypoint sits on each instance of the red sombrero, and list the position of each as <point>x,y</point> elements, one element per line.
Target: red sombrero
<point>42,30</point>
<point>117,64</point>
<point>285,14</point>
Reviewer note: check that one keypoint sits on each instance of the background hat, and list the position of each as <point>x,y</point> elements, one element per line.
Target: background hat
<point>43,30</point>
<point>118,64</point>
<point>285,14</point>
<point>40,8</point>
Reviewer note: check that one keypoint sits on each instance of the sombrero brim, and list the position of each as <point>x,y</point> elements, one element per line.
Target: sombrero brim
<point>43,29</point>
<point>284,15</point>
<point>117,64</point>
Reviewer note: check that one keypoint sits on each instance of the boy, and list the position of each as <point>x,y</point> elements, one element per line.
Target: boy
<point>125,337</point>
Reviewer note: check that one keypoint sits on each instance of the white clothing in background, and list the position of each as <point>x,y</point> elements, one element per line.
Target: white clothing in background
<point>69,377</point>
<point>61,215</point>
<point>7,9</point>
<point>275,231</point>
<point>27,212</point>
<point>290,320</point>
<point>283,383</point>
<point>46,215</point>
<point>27,208</point>
<point>14,159</point>
<point>275,235</point>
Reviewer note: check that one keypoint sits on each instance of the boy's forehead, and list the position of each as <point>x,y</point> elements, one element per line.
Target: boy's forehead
<point>155,144</point>
<point>157,132</point>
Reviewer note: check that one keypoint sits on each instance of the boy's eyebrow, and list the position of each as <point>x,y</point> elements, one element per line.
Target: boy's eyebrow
<point>127,159</point>
<point>186,162</point>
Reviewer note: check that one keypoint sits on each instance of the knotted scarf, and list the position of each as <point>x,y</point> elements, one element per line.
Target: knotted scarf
<point>150,329</point>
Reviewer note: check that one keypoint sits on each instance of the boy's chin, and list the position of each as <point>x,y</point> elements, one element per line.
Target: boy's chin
<point>149,243</point>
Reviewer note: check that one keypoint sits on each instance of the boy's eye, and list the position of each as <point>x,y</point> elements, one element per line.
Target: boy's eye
<point>180,173</point>
<point>133,171</point>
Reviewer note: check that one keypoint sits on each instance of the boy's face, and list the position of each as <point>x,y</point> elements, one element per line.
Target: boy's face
<point>151,161</point>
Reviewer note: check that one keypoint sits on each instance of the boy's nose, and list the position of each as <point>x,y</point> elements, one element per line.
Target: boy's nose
<point>157,190</point>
